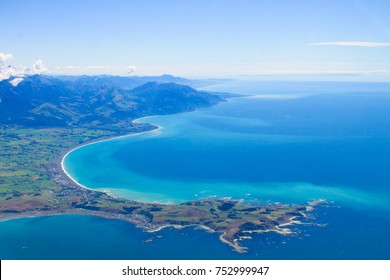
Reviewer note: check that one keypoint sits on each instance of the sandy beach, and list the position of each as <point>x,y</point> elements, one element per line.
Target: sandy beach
<point>63,169</point>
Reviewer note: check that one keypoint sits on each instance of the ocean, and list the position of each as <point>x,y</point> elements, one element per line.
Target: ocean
<point>281,142</point>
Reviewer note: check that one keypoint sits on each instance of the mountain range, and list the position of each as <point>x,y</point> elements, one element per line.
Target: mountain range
<point>100,101</point>
<point>130,82</point>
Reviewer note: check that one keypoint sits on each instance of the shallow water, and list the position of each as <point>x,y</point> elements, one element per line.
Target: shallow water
<point>290,143</point>
<point>292,149</point>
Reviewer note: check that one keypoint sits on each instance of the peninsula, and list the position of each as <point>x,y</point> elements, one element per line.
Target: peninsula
<point>53,116</point>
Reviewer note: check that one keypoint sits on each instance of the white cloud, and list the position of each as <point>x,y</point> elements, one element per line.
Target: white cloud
<point>352,44</point>
<point>72,67</point>
<point>95,67</point>
<point>38,67</point>
<point>4,57</point>
<point>18,72</point>
<point>131,68</point>
<point>16,81</point>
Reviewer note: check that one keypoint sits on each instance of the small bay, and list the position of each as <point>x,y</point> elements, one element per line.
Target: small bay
<point>288,142</point>
<point>279,148</point>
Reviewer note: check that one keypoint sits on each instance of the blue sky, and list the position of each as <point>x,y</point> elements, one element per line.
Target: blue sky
<point>199,38</point>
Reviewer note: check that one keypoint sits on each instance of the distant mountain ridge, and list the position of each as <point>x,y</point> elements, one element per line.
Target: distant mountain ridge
<point>131,82</point>
<point>48,101</point>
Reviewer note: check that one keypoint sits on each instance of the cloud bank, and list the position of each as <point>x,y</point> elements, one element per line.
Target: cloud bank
<point>17,73</point>
<point>95,67</point>
<point>92,70</point>
<point>352,44</point>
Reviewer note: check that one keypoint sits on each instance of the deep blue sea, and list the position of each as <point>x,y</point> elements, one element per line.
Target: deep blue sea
<point>284,142</point>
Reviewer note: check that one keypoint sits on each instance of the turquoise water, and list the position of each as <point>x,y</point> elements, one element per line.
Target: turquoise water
<point>278,148</point>
<point>345,236</point>
<point>290,143</point>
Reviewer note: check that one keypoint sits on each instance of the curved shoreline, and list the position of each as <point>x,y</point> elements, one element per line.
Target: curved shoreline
<point>63,169</point>
<point>72,198</point>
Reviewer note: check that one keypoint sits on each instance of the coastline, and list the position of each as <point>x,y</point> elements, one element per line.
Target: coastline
<point>62,165</point>
<point>73,198</point>
<point>149,227</point>
<point>137,120</point>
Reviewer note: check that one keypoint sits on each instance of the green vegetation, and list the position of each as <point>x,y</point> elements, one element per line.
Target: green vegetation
<point>75,112</point>
<point>92,102</point>
<point>32,184</point>
<point>26,153</point>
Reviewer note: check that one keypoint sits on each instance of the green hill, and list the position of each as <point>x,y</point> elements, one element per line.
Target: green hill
<point>44,101</point>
